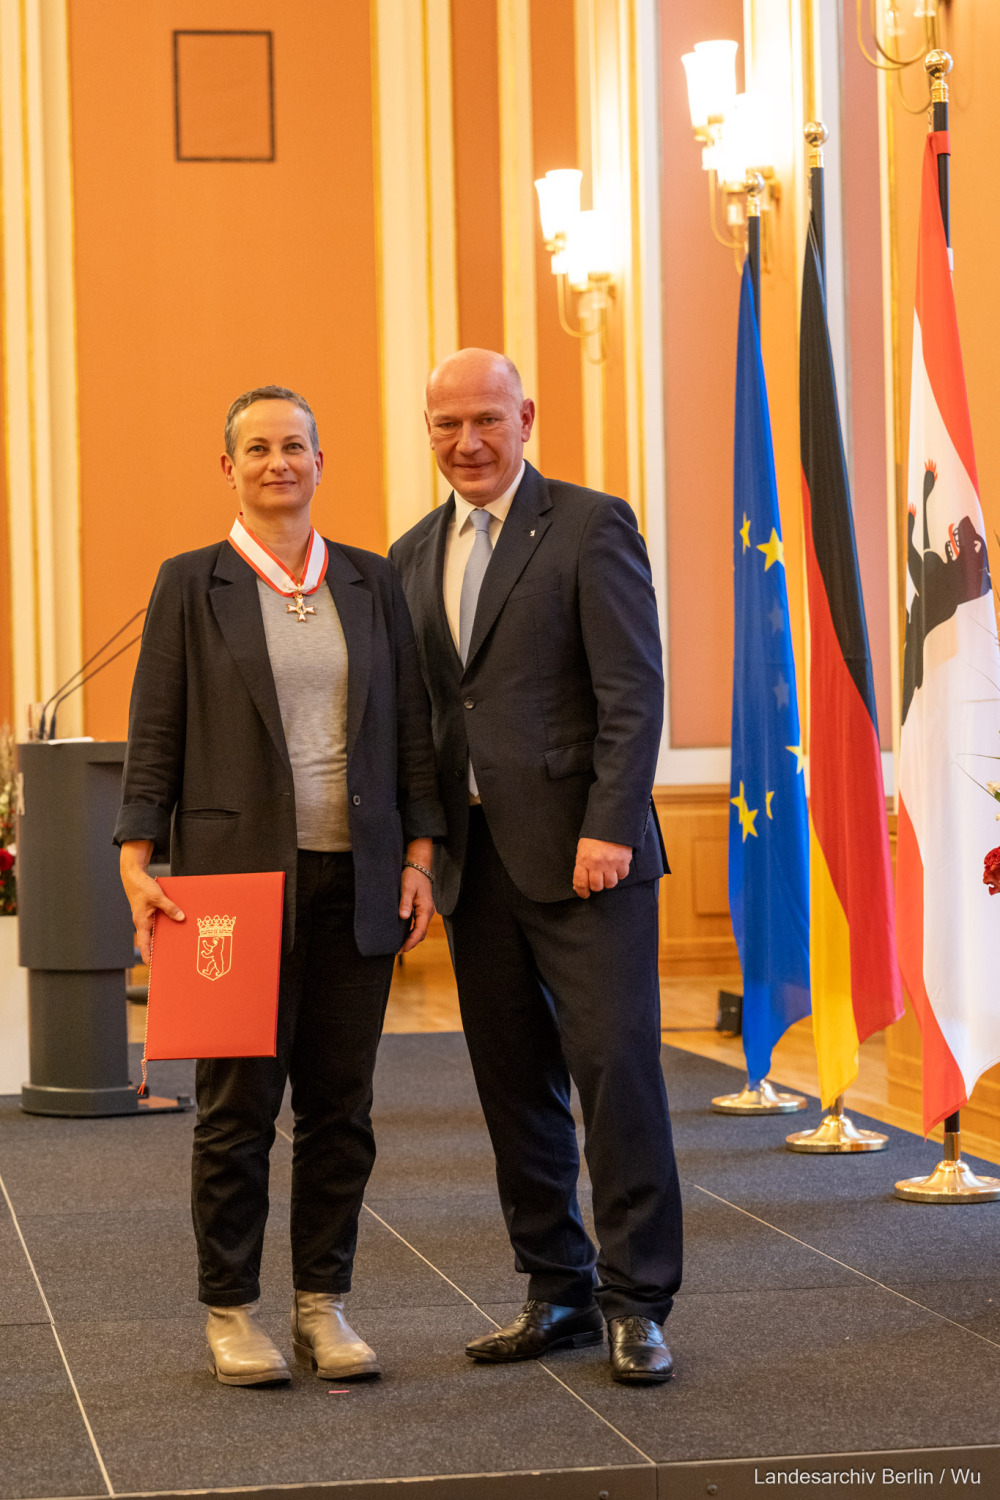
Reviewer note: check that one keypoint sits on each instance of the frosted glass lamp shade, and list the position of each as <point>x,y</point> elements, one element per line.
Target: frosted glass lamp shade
<point>753,124</point>
<point>711,80</point>
<point>747,140</point>
<point>558,201</point>
<point>590,250</point>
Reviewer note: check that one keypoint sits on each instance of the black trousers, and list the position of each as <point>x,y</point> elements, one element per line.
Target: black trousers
<point>550,991</point>
<point>331,1005</point>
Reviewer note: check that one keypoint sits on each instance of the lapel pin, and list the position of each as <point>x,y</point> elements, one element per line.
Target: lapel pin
<point>531,533</point>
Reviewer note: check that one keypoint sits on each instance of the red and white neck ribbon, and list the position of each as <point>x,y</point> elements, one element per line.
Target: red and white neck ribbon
<point>272,569</point>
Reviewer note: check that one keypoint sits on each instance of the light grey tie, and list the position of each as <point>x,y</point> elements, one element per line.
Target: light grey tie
<point>472,581</point>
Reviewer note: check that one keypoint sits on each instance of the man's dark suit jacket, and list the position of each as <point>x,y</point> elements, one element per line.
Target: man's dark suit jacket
<point>561,701</point>
<point>207,768</point>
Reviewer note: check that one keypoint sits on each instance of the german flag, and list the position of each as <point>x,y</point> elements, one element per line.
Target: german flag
<point>856,987</point>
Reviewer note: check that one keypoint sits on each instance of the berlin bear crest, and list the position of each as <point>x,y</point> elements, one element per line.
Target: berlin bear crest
<point>215,946</point>
<point>940,584</point>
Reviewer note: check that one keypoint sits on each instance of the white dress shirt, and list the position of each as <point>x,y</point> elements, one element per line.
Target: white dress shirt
<point>458,546</point>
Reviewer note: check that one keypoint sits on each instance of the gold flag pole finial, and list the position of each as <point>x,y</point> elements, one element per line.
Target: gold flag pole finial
<point>938,65</point>
<point>816,134</point>
<point>753,186</point>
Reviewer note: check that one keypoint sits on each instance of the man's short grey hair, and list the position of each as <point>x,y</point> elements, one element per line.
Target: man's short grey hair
<point>267,393</point>
<point>503,360</point>
<point>515,376</point>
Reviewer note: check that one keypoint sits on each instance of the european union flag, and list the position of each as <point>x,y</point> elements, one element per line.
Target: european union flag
<point>769,828</point>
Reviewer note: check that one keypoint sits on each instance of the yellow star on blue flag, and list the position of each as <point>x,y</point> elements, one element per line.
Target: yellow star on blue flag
<point>747,815</point>
<point>773,549</point>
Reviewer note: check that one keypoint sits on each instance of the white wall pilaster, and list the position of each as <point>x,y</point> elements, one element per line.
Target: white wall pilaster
<point>39,355</point>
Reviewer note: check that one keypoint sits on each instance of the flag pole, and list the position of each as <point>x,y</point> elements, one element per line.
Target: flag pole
<point>836,1133</point>
<point>758,1096</point>
<point>753,186</point>
<point>952,1181</point>
<point>816,135</point>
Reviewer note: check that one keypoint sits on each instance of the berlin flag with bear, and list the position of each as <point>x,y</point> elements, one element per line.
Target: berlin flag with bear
<point>946,933</point>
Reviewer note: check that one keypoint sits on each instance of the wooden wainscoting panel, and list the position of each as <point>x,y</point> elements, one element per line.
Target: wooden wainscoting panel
<point>696,936</point>
<point>903,1065</point>
<point>711,885</point>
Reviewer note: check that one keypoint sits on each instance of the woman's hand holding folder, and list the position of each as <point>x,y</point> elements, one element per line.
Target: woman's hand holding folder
<point>144,895</point>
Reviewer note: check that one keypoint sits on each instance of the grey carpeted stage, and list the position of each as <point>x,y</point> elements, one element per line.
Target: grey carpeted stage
<point>819,1316</point>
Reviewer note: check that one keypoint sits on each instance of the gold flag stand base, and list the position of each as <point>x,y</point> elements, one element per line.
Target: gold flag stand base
<point>836,1132</point>
<point>758,1099</point>
<point>951,1180</point>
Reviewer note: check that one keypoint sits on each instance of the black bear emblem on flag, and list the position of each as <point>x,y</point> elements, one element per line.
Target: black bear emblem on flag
<point>941,584</point>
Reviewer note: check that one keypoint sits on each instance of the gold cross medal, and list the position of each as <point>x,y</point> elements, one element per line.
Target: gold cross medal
<point>272,571</point>
<point>299,607</point>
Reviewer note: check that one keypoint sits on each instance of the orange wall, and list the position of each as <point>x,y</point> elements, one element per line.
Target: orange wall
<point>700,305</point>
<point>476,106</point>
<point>555,144</point>
<point>198,280</point>
<point>972,35</point>
<point>478,233</point>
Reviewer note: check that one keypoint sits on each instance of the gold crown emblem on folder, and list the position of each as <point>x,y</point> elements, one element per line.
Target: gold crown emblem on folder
<point>215,946</point>
<point>212,927</point>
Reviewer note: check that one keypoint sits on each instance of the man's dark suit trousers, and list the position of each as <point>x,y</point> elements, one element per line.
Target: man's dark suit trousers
<point>550,991</point>
<point>330,1010</point>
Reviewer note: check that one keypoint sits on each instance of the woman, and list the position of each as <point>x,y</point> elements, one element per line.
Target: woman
<point>278,721</point>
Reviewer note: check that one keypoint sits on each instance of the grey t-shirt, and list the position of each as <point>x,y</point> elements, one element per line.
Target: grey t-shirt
<point>309,665</point>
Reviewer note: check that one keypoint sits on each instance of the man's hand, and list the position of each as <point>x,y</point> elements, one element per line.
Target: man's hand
<point>416,895</point>
<point>599,866</point>
<point>144,895</point>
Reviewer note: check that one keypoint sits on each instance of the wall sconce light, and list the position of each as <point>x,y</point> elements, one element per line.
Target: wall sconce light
<point>923,10</point>
<point>582,246</point>
<point>711,82</point>
<point>737,136</point>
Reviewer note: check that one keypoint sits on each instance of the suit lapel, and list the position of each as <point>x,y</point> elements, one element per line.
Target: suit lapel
<point>526,524</point>
<point>237,609</point>
<point>430,617</point>
<point>355,607</point>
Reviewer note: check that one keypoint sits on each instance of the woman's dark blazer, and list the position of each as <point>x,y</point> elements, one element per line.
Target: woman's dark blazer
<point>207,768</point>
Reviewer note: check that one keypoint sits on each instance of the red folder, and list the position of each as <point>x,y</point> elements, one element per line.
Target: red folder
<point>213,978</point>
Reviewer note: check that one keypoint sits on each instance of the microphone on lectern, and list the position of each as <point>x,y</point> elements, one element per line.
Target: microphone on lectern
<point>69,687</point>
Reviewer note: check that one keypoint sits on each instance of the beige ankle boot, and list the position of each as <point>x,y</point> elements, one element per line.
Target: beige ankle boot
<point>241,1352</point>
<point>324,1340</point>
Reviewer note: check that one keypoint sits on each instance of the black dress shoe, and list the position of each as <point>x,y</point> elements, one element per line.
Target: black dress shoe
<point>639,1354</point>
<point>539,1327</point>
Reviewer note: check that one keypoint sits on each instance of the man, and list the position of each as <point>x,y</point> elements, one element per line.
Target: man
<point>536,623</point>
<point>278,722</point>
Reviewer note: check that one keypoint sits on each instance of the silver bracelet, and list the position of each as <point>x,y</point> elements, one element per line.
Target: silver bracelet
<point>409,864</point>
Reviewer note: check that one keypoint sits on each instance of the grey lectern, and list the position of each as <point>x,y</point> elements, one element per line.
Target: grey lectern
<point>75,932</point>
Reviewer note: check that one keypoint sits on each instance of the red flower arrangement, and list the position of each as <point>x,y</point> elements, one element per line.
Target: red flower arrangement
<point>991,871</point>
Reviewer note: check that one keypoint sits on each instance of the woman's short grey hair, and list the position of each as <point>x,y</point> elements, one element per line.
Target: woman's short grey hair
<point>267,393</point>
